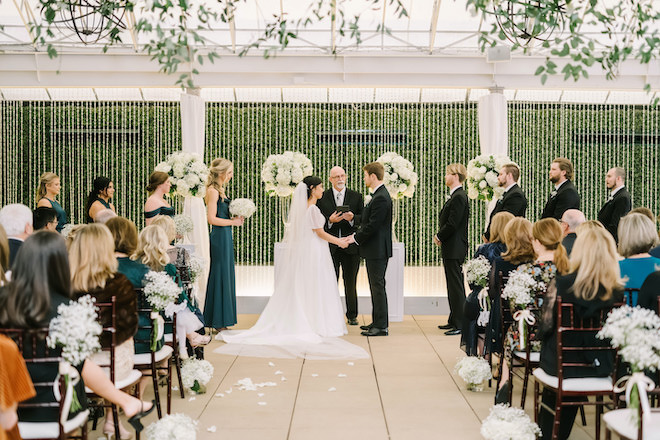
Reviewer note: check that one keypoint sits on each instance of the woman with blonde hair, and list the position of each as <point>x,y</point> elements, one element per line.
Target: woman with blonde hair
<point>593,284</point>
<point>637,236</point>
<point>159,185</point>
<point>220,304</point>
<point>49,188</point>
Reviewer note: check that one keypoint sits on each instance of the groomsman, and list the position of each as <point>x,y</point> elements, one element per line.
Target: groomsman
<point>513,199</point>
<point>343,224</point>
<point>453,237</point>
<point>374,240</point>
<point>618,204</point>
<point>564,196</point>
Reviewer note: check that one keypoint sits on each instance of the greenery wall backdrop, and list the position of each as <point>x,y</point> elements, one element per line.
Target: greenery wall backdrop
<point>124,141</point>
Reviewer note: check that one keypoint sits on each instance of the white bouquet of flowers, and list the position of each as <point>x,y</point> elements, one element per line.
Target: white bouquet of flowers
<point>161,292</point>
<point>76,329</point>
<point>477,270</point>
<point>281,173</point>
<point>473,370</point>
<point>195,374</point>
<point>520,288</point>
<point>506,423</point>
<point>68,229</point>
<point>400,177</point>
<point>482,175</point>
<point>183,224</point>
<point>195,267</point>
<point>172,427</point>
<point>242,208</point>
<point>188,174</point>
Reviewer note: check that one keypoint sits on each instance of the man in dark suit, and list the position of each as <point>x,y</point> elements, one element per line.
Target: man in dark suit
<point>618,204</point>
<point>374,240</point>
<point>343,224</point>
<point>453,237</point>
<point>564,196</point>
<point>570,220</point>
<point>513,199</point>
<point>17,221</point>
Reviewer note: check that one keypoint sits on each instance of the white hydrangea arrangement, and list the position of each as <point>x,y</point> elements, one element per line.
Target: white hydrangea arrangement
<point>196,374</point>
<point>172,427</point>
<point>520,288</point>
<point>281,173</point>
<point>242,208</point>
<point>183,224</point>
<point>477,271</point>
<point>400,177</point>
<point>482,175</point>
<point>161,292</point>
<point>188,174</point>
<point>473,370</point>
<point>76,330</point>
<point>507,423</point>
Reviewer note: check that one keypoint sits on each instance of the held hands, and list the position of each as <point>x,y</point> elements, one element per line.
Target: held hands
<point>344,242</point>
<point>351,238</point>
<point>238,221</point>
<point>436,241</point>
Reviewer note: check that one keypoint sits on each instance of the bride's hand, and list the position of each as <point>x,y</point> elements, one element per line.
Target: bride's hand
<point>343,242</point>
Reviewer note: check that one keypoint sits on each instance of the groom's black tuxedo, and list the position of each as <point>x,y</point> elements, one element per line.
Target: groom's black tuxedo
<point>612,211</point>
<point>374,239</point>
<point>513,201</point>
<point>348,258</point>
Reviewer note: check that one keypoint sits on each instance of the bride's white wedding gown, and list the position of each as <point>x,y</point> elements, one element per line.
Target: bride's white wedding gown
<point>304,317</point>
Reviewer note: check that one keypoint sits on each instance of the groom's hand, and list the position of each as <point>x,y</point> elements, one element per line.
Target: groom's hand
<point>436,241</point>
<point>336,217</point>
<point>351,238</point>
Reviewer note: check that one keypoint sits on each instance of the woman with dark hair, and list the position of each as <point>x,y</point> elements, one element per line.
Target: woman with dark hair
<point>99,198</point>
<point>159,185</point>
<point>41,281</point>
<point>304,316</point>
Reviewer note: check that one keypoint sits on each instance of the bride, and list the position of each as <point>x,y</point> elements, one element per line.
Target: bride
<point>304,317</point>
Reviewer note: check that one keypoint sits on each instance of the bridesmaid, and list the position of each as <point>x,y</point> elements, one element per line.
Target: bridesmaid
<point>159,185</point>
<point>99,198</point>
<point>220,304</point>
<point>49,189</point>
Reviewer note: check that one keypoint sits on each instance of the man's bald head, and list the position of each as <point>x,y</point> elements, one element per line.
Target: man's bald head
<point>572,218</point>
<point>338,178</point>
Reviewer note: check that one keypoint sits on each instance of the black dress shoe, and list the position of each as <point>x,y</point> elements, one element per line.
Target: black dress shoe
<point>373,331</point>
<point>446,327</point>
<point>352,321</point>
<point>366,327</point>
<point>452,332</point>
<point>502,395</point>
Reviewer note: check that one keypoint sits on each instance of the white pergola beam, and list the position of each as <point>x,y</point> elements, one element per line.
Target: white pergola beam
<point>434,24</point>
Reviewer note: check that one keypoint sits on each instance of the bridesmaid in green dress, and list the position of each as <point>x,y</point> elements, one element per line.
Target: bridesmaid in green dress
<point>99,198</point>
<point>220,304</point>
<point>49,189</point>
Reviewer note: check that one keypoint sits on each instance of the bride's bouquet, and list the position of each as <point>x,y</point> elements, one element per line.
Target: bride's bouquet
<point>76,330</point>
<point>507,423</point>
<point>281,173</point>
<point>482,175</point>
<point>473,370</point>
<point>242,208</point>
<point>161,293</point>
<point>195,374</point>
<point>400,177</point>
<point>172,427</point>
<point>188,174</point>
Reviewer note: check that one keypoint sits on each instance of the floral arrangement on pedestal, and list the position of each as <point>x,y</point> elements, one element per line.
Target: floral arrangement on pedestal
<point>281,173</point>
<point>188,174</point>
<point>635,332</point>
<point>482,175</point>
<point>242,208</point>
<point>161,292</point>
<point>76,330</point>
<point>172,427</point>
<point>473,370</point>
<point>196,374</point>
<point>505,422</point>
<point>400,177</point>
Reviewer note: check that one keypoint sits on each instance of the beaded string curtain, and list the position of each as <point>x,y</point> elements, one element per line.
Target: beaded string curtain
<point>125,140</point>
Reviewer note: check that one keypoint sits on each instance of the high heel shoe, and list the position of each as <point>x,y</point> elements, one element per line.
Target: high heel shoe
<point>196,339</point>
<point>135,420</point>
<point>109,432</point>
<point>502,395</point>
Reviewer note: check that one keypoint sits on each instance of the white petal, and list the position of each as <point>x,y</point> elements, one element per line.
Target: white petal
<point>212,429</point>
<point>278,372</point>
<point>315,375</point>
<point>263,403</point>
<point>341,375</point>
<point>219,395</point>
<point>332,389</point>
<point>351,363</point>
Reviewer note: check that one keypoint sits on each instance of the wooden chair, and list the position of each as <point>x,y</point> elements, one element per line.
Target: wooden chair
<point>630,296</point>
<point>599,387</point>
<point>130,381</point>
<point>527,359</point>
<point>32,345</point>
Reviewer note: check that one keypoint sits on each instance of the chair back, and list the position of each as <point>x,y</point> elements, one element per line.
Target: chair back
<point>145,309</point>
<point>109,333</point>
<point>630,296</point>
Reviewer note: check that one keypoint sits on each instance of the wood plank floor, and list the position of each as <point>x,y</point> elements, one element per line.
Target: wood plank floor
<point>406,390</point>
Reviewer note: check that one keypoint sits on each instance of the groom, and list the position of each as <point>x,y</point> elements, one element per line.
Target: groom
<point>374,240</point>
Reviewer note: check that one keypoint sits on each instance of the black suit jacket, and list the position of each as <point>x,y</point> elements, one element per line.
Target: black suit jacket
<point>568,242</point>
<point>453,231</point>
<point>14,246</point>
<point>374,237</point>
<point>612,211</point>
<point>566,198</point>
<point>513,201</point>
<point>327,204</point>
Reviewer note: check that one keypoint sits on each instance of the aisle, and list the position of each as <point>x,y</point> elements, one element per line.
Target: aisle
<point>407,390</point>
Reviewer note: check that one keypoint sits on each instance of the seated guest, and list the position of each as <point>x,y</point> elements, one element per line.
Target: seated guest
<point>519,250</point>
<point>4,257</point>
<point>15,386</point>
<point>649,292</point>
<point>637,235</point>
<point>490,251</point>
<point>44,218</point>
<point>99,199</point>
<point>41,282</point>
<point>570,220</point>
<point>104,215</point>
<point>592,284</point>
<point>646,212</point>
<point>17,221</point>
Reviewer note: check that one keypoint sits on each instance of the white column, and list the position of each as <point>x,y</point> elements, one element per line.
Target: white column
<point>493,129</point>
<point>193,122</point>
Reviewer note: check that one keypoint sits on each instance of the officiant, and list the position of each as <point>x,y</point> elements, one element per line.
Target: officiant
<point>342,209</point>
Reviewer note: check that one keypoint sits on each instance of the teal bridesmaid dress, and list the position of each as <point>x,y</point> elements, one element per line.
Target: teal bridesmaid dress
<point>220,304</point>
